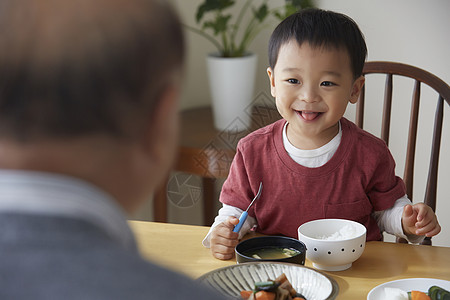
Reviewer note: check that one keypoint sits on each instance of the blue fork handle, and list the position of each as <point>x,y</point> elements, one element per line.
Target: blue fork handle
<point>242,219</point>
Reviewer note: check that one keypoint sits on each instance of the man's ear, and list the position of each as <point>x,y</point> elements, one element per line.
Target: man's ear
<point>272,81</point>
<point>161,132</point>
<point>356,89</point>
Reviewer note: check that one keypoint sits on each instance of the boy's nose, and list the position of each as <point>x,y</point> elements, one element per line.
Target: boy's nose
<point>309,94</point>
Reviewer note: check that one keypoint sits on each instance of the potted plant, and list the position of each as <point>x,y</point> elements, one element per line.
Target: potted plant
<point>232,68</point>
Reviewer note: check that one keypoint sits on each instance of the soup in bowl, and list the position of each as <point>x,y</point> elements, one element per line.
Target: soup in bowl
<point>271,248</point>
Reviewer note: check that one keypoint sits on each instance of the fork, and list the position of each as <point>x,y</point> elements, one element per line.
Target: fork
<point>244,215</point>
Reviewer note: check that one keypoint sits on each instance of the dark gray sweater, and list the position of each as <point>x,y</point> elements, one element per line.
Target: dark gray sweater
<point>44,257</point>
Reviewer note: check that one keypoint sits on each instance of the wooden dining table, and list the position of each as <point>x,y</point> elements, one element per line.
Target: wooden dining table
<point>179,247</point>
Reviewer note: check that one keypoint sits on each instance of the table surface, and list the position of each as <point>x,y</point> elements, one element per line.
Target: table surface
<point>179,247</point>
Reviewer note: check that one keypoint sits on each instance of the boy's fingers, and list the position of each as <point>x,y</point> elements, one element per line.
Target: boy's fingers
<point>408,211</point>
<point>223,256</point>
<point>224,240</point>
<point>227,233</point>
<point>219,240</point>
<point>223,234</point>
<point>435,231</point>
<point>227,228</point>
<point>232,221</point>
<point>430,229</point>
<point>422,210</point>
<point>222,249</point>
<point>409,217</point>
<point>428,225</point>
<point>222,252</point>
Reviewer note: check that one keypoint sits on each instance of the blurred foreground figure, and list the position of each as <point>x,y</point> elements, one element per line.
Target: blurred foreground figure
<point>88,127</point>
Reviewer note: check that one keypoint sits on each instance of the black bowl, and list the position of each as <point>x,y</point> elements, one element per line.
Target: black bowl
<point>270,241</point>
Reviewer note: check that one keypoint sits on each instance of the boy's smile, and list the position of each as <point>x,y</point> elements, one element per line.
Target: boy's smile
<point>309,115</point>
<point>312,87</point>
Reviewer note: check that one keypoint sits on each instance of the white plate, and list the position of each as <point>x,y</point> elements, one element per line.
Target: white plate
<point>231,280</point>
<point>417,284</point>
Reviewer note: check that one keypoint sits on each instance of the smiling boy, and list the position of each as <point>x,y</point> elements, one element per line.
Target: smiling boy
<point>314,163</point>
<point>312,87</point>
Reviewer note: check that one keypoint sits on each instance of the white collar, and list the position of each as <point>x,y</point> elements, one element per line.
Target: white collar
<point>331,146</point>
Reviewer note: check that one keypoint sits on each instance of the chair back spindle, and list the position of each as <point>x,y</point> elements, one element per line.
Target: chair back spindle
<point>431,189</point>
<point>387,107</point>
<point>360,108</point>
<point>408,176</point>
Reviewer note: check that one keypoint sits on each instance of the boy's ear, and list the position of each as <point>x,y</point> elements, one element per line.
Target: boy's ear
<point>272,81</point>
<point>356,89</point>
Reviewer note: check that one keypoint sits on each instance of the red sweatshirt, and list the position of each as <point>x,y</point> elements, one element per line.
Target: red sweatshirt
<point>359,179</point>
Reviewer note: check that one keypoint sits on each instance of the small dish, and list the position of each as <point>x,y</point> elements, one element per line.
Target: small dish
<point>231,280</point>
<point>407,285</point>
<point>267,242</point>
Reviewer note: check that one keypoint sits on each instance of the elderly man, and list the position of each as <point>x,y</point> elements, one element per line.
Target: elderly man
<point>88,127</point>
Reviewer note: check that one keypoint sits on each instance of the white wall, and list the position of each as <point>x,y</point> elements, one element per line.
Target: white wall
<point>408,31</point>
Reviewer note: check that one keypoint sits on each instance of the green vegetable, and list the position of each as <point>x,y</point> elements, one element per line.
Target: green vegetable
<point>438,293</point>
<point>268,286</point>
<point>290,252</point>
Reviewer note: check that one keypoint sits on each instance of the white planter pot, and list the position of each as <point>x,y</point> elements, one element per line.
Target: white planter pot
<point>232,82</point>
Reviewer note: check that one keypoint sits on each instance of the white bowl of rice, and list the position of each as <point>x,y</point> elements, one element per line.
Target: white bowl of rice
<point>333,244</point>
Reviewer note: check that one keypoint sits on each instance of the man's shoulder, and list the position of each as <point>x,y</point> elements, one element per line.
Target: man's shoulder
<point>87,265</point>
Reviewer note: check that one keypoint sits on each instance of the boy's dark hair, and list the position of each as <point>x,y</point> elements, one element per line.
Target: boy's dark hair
<point>321,28</point>
<point>71,68</point>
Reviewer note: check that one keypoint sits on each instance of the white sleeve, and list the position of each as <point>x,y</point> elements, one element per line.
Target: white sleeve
<point>390,220</point>
<point>225,212</point>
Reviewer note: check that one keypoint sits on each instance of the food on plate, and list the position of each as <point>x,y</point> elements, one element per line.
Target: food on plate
<point>278,289</point>
<point>438,293</point>
<point>434,293</point>
<point>395,294</point>
<point>417,295</point>
<point>271,252</point>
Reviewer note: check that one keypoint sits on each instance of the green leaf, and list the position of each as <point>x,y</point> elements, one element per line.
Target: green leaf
<point>220,29</point>
<point>301,4</point>
<point>293,6</point>
<point>212,5</point>
<point>261,13</point>
<point>219,25</point>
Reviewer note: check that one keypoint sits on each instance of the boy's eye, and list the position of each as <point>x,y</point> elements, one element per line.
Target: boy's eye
<point>327,83</point>
<point>293,81</point>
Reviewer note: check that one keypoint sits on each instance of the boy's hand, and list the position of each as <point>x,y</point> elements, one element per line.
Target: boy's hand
<point>419,219</point>
<point>224,240</point>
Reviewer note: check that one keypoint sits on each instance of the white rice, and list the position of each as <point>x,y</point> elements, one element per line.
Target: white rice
<point>395,294</point>
<point>346,232</point>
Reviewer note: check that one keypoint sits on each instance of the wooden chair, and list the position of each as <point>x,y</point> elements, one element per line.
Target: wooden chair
<point>392,69</point>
